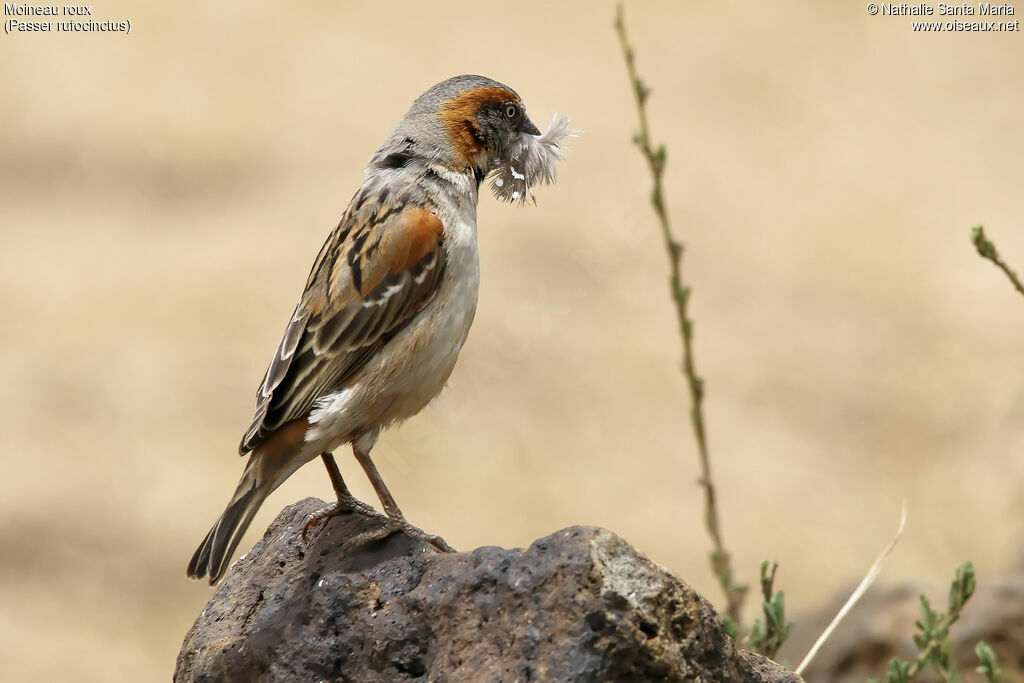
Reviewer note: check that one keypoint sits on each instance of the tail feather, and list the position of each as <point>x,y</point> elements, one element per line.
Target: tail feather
<point>214,554</point>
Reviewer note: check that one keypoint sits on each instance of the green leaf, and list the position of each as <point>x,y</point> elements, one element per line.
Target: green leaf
<point>731,627</point>
<point>899,672</point>
<point>983,245</point>
<point>962,588</point>
<point>989,663</point>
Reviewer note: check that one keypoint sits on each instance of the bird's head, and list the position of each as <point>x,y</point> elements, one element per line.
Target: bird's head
<point>478,125</point>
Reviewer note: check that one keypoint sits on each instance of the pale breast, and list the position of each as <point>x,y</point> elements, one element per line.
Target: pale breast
<point>413,368</point>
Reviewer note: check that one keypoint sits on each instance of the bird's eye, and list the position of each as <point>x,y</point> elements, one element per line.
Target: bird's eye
<point>511,111</point>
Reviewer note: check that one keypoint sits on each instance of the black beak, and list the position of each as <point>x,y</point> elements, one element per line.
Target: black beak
<point>527,127</point>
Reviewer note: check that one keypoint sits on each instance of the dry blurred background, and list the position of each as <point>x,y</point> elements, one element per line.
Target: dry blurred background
<point>163,194</point>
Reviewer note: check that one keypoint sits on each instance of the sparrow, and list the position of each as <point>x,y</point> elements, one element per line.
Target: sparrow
<point>388,303</point>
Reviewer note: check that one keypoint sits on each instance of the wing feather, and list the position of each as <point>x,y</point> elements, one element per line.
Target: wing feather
<point>378,270</point>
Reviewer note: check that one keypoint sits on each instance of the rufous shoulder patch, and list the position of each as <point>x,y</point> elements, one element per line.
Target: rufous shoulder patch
<point>421,235</point>
<point>459,118</point>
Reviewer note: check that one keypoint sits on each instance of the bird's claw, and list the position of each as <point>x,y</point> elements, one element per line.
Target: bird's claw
<point>338,508</point>
<point>394,525</point>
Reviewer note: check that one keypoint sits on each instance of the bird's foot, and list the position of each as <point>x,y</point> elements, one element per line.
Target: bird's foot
<point>342,506</point>
<point>395,525</point>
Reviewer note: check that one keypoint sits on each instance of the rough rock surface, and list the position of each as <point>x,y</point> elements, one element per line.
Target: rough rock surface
<point>578,605</point>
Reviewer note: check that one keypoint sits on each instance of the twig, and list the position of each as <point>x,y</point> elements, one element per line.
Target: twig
<point>935,644</point>
<point>934,641</point>
<point>721,562</point>
<point>865,583</point>
<point>768,636</point>
<point>988,250</point>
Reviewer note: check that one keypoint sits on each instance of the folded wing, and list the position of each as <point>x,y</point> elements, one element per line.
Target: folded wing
<point>371,278</point>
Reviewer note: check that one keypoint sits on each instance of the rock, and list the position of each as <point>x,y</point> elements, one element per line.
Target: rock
<point>578,605</point>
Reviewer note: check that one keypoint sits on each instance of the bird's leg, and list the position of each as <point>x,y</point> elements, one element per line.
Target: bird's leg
<point>346,501</point>
<point>396,520</point>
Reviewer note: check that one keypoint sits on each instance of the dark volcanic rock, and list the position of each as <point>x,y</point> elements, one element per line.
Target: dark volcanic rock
<point>579,605</point>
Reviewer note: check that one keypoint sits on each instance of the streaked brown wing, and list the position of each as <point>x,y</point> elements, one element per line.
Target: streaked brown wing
<point>375,273</point>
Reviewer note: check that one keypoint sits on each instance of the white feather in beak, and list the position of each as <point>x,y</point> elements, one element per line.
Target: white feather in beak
<point>531,161</point>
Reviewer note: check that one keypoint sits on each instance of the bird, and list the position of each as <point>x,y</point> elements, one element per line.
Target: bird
<point>388,304</point>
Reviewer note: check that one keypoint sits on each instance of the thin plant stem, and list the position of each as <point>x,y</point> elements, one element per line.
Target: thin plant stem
<point>857,594</point>
<point>986,249</point>
<point>720,559</point>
